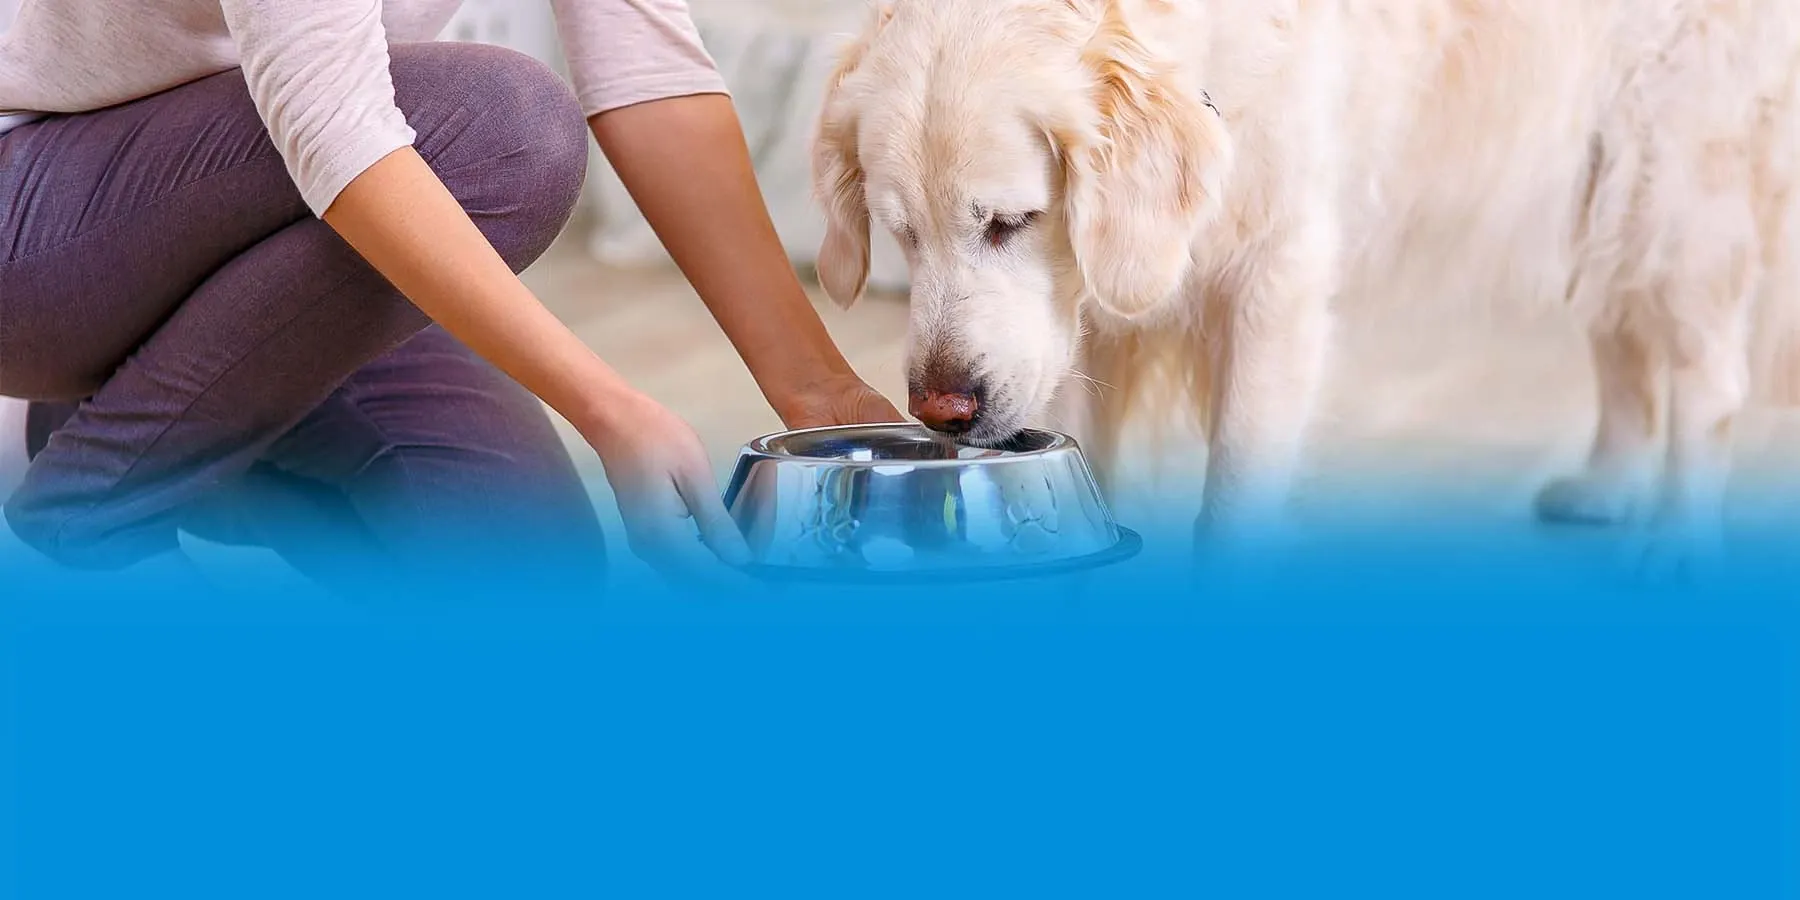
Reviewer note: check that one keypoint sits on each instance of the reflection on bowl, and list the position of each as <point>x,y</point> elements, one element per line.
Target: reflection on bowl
<point>889,501</point>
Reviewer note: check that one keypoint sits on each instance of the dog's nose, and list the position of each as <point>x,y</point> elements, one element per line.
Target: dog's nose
<point>952,413</point>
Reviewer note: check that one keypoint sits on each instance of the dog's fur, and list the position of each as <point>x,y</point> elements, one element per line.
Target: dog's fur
<point>1210,177</point>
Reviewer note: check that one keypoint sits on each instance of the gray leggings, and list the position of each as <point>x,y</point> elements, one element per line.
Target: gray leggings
<point>206,355</point>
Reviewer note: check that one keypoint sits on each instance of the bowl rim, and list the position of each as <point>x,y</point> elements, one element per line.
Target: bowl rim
<point>1060,443</point>
<point>1125,547</point>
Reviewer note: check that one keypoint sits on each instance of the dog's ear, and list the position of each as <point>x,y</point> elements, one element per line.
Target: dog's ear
<point>843,262</point>
<point>844,255</point>
<point>1143,177</point>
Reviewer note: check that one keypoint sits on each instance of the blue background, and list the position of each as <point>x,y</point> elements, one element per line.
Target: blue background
<point>1443,731</point>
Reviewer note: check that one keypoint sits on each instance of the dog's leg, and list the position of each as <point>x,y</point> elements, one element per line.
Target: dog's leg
<point>1622,465</point>
<point>1106,392</point>
<point>1082,411</point>
<point>1270,356</point>
<point>1708,384</point>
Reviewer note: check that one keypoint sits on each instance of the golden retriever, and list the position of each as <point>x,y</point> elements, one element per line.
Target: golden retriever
<point>1172,196</point>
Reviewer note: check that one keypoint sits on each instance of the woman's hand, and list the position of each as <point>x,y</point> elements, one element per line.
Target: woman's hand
<point>660,474</point>
<point>838,400</point>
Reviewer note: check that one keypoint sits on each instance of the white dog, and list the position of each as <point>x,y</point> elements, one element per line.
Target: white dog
<point>1171,195</point>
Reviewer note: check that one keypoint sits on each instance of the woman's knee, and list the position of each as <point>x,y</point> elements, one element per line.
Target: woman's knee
<point>505,133</point>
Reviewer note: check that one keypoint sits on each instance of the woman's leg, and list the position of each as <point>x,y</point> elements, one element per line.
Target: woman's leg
<point>428,462</point>
<point>157,258</point>
<point>427,466</point>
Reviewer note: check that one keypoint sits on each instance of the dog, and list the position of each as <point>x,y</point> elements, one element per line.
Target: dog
<point>1174,198</point>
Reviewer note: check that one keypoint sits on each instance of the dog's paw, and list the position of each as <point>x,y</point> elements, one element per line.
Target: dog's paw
<point>1239,557</point>
<point>1588,500</point>
<point>1673,557</point>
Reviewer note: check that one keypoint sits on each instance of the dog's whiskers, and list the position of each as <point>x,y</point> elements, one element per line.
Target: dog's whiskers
<point>1089,382</point>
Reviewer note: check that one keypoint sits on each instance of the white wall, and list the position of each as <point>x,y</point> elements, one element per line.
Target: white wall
<point>527,27</point>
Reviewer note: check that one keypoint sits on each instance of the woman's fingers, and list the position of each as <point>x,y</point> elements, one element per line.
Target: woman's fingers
<point>875,408</point>
<point>664,484</point>
<point>670,548</point>
<point>717,529</point>
<point>661,526</point>
<point>667,543</point>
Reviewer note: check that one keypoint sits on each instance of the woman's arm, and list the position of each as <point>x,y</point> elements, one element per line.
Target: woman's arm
<point>402,219</point>
<point>318,72</point>
<point>659,108</point>
<point>686,165</point>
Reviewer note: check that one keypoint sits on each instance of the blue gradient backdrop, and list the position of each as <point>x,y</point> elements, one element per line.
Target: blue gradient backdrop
<point>1397,713</point>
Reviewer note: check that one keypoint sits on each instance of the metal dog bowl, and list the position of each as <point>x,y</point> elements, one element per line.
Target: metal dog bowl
<point>893,502</point>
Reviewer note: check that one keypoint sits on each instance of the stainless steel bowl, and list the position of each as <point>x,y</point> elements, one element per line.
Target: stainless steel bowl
<point>892,501</point>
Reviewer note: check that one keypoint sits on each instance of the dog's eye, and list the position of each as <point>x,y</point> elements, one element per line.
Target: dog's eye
<point>1002,228</point>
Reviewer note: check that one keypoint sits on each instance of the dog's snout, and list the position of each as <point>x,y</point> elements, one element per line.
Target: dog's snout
<point>947,391</point>
<point>944,397</point>
<point>949,412</point>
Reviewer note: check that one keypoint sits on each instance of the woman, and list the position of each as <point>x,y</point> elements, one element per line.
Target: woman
<point>268,250</point>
